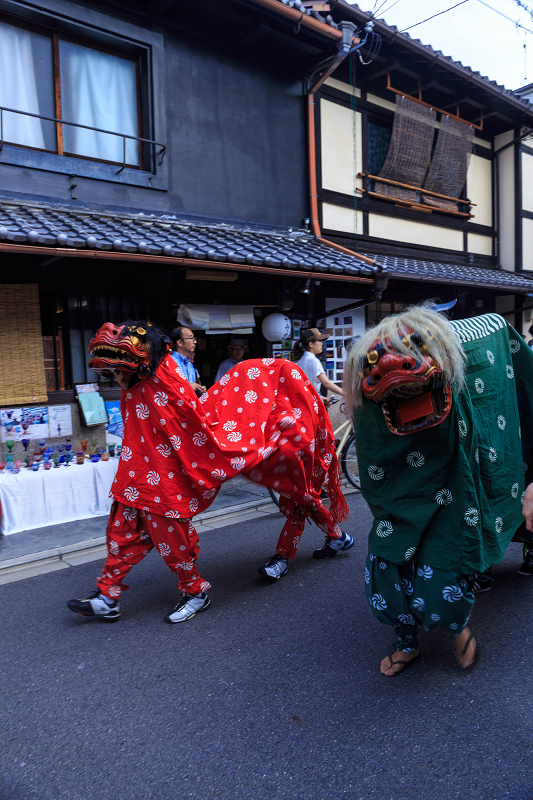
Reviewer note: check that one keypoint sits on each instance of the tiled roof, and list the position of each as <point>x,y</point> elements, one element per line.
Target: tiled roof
<point>344,10</point>
<point>299,6</point>
<point>457,274</point>
<point>46,225</point>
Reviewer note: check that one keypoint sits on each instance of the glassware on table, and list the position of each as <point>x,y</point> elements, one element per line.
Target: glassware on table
<point>2,465</point>
<point>56,459</point>
<point>47,464</point>
<point>94,442</point>
<point>25,444</point>
<point>95,457</point>
<point>83,445</point>
<point>9,426</point>
<point>24,425</point>
<point>18,463</point>
<point>68,458</point>
<point>60,448</point>
<point>37,456</point>
<point>104,456</point>
<point>35,466</point>
<point>68,447</point>
<point>111,448</point>
<point>9,445</point>
<point>80,457</point>
<point>42,445</point>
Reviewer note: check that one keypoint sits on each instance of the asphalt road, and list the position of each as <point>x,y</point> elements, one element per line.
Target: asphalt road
<point>273,694</point>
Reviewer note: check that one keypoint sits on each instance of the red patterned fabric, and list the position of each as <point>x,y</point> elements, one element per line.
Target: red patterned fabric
<point>263,419</point>
<point>132,534</point>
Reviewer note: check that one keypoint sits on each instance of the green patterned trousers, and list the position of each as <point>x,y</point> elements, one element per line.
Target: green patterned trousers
<point>413,594</point>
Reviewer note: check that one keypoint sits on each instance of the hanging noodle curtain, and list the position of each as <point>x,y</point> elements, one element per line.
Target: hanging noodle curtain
<point>449,165</point>
<point>409,150</point>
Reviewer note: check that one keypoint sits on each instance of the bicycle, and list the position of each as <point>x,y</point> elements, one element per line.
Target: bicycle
<point>346,453</point>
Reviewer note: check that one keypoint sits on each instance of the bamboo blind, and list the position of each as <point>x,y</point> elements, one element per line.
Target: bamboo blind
<point>22,374</point>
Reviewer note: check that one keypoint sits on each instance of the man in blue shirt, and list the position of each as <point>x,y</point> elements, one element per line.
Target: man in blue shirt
<point>184,342</point>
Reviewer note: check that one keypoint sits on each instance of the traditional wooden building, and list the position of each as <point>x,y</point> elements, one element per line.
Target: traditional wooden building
<point>156,154</point>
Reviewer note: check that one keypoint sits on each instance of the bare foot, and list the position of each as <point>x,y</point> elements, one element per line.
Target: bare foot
<point>392,665</point>
<point>466,648</point>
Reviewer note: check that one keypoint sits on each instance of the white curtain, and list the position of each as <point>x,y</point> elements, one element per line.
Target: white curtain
<point>99,90</point>
<point>18,85</point>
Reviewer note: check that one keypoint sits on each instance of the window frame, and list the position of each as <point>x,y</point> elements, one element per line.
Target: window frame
<point>145,47</point>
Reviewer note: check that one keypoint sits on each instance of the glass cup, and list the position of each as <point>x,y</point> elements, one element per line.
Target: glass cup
<point>83,445</point>
<point>47,464</point>
<point>35,466</point>
<point>105,456</point>
<point>80,457</point>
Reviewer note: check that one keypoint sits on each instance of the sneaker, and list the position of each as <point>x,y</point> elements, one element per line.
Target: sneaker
<point>483,582</point>
<point>527,566</point>
<point>188,606</point>
<point>95,606</point>
<point>274,567</point>
<point>331,547</point>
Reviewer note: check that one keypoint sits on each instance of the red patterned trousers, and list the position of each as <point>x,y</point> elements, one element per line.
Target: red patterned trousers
<point>132,533</point>
<point>291,532</point>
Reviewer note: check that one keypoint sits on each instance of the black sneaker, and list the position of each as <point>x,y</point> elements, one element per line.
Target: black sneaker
<point>527,566</point>
<point>331,547</point>
<point>188,606</point>
<point>483,582</point>
<point>274,567</point>
<point>95,606</point>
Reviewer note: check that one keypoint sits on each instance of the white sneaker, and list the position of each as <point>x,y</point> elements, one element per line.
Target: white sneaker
<point>189,605</point>
<point>95,606</point>
<point>274,567</point>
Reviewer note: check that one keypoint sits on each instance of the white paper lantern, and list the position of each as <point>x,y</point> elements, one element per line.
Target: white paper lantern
<point>276,328</point>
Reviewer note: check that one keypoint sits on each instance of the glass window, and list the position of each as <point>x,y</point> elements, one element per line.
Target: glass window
<point>27,84</point>
<point>98,90</point>
<point>379,136</point>
<point>49,76</point>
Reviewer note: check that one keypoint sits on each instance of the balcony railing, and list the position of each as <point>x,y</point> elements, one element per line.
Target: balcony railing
<point>156,155</point>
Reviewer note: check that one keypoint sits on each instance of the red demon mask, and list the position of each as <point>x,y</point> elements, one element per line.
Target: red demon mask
<point>408,388</point>
<point>123,347</point>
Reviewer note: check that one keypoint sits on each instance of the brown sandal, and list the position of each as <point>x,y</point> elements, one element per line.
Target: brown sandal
<point>463,652</point>
<point>398,661</point>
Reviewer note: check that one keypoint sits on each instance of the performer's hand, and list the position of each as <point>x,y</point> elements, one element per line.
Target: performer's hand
<point>527,508</point>
<point>123,379</point>
<point>199,388</point>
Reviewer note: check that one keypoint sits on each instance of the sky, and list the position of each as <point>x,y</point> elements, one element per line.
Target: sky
<point>478,36</point>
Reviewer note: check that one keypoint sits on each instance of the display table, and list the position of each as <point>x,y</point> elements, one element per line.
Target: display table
<point>47,497</point>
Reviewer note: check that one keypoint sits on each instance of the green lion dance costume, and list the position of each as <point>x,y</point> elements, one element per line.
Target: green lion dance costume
<point>443,417</point>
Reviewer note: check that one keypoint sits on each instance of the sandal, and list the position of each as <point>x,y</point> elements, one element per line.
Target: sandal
<point>463,652</point>
<point>401,661</point>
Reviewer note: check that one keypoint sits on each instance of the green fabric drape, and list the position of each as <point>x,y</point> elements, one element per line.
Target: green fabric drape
<point>452,495</point>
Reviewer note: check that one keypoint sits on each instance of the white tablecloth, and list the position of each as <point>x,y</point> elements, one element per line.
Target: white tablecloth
<point>47,497</point>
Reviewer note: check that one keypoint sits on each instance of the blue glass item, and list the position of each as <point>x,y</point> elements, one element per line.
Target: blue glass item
<point>25,444</point>
<point>35,466</point>
<point>95,457</point>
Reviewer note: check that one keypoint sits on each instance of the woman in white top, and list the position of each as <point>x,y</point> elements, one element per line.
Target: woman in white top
<point>307,348</point>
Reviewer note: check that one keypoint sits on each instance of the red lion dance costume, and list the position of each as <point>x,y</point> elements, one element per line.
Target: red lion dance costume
<point>263,420</point>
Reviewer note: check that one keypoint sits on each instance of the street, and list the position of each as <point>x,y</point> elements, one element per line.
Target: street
<point>273,694</point>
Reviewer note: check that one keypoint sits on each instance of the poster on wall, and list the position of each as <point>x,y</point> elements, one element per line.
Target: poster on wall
<point>114,430</point>
<point>59,421</point>
<point>340,329</point>
<point>10,424</point>
<point>36,420</point>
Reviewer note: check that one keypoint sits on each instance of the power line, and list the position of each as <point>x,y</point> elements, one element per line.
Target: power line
<point>434,15</point>
<point>517,24</point>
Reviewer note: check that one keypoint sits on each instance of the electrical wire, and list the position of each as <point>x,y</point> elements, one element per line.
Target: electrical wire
<point>517,24</point>
<point>435,15</point>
